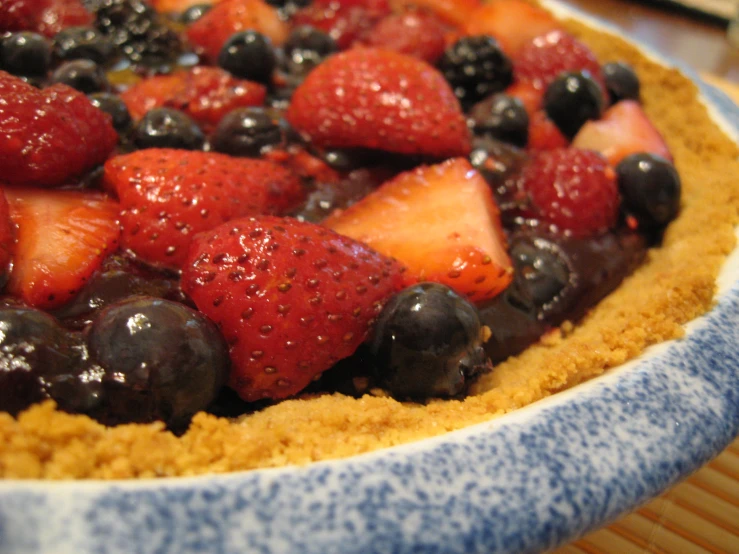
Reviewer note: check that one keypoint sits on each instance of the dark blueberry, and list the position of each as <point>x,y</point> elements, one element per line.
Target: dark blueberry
<point>650,188</point>
<point>305,48</point>
<point>26,54</point>
<point>427,343</point>
<point>501,117</point>
<point>248,55</point>
<point>327,197</point>
<point>288,8</point>
<point>167,128</point>
<point>476,67</point>
<point>193,13</point>
<point>162,361</point>
<point>83,75</point>
<point>246,132</point>
<point>115,107</point>
<point>82,43</point>
<point>572,99</point>
<point>349,159</point>
<point>500,163</point>
<point>622,82</point>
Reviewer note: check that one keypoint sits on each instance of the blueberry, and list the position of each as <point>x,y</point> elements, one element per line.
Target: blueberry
<point>115,107</point>
<point>650,188</point>
<point>82,43</point>
<point>246,132</point>
<point>427,343</point>
<point>306,47</point>
<point>83,75</point>
<point>572,99</point>
<point>501,117</point>
<point>476,67</point>
<point>248,55</point>
<point>26,54</point>
<point>162,361</point>
<point>622,82</point>
<point>500,164</point>
<point>193,13</point>
<point>167,128</point>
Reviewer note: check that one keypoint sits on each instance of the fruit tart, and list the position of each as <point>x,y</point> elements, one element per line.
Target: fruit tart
<point>254,234</point>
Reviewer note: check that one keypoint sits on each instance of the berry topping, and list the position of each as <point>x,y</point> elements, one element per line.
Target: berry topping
<point>544,133</point>
<point>161,361</point>
<point>416,33</point>
<point>476,67</point>
<point>407,106</point>
<point>248,55</point>
<point>83,75</point>
<point>167,128</point>
<point>291,298</point>
<point>441,222</point>
<point>501,117</point>
<point>188,192</point>
<point>574,190</point>
<point>246,132</point>
<point>49,137</point>
<point>82,42</point>
<point>114,107</point>
<point>346,21</point>
<point>622,82</point>
<point>542,271</point>
<point>26,54</point>
<point>454,12</point>
<point>427,343</point>
<point>571,100</point>
<point>650,187</point>
<point>46,17</point>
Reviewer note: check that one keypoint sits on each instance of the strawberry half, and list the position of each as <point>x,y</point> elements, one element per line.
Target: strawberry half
<point>346,21</point>
<point>62,238</point>
<point>456,12</point>
<point>441,222</point>
<point>373,98</point>
<point>169,195</point>
<point>291,298</point>
<point>415,33</point>
<point>46,17</point>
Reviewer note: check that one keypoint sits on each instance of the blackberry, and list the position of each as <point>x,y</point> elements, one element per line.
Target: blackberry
<point>82,43</point>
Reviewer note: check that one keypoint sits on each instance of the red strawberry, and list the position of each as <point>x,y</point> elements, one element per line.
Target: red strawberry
<point>211,31</point>
<point>291,298</point>
<point>441,222</point>
<point>169,195</point>
<point>512,22</point>
<point>46,17</point>
<point>456,12</point>
<point>624,129</point>
<point>415,33</point>
<point>48,137</point>
<point>540,61</point>
<point>345,20</point>
<point>373,98</point>
<point>575,190</point>
<point>62,238</point>
<point>204,93</point>
<point>544,133</point>
<point>531,97</point>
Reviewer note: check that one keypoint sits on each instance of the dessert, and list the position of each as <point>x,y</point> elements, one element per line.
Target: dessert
<point>601,245</point>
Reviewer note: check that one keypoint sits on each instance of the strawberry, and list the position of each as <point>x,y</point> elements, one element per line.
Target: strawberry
<point>441,222</point>
<point>513,22</point>
<point>169,195</point>
<point>291,298</point>
<point>624,129</point>
<point>46,17</point>
<point>204,93</point>
<point>455,12</point>
<point>573,189</point>
<point>415,33</point>
<point>344,20</point>
<point>62,238</point>
<point>177,6</point>
<point>373,98</point>
<point>544,133</point>
<point>531,97</point>
<point>49,136</point>
<point>211,31</point>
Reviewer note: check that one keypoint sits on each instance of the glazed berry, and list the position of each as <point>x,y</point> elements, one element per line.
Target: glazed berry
<point>622,82</point>
<point>572,99</point>
<point>193,13</point>
<point>83,75</point>
<point>500,164</point>
<point>26,54</point>
<point>650,187</point>
<point>427,343</point>
<point>115,107</point>
<point>306,47</point>
<point>246,132</point>
<point>248,55</point>
<point>541,270</point>
<point>162,361</point>
<point>167,128</point>
<point>501,117</point>
<point>82,42</point>
<point>476,67</point>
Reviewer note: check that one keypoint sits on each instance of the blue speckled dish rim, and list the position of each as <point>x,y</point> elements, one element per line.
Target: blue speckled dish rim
<point>526,482</point>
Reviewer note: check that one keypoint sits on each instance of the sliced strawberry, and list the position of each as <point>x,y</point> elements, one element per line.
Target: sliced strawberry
<point>62,238</point>
<point>211,31</point>
<point>526,92</point>
<point>513,22</point>
<point>456,12</point>
<point>372,98</point>
<point>169,195</point>
<point>291,298</point>
<point>624,129</point>
<point>346,21</point>
<point>46,17</point>
<point>205,93</point>
<point>544,133</point>
<point>441,222</point>
<point>415,33</point>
